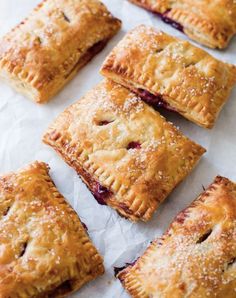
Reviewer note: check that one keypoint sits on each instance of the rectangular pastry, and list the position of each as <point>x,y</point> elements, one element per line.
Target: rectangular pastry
<point>45,250</point>
<point>45,51</point>
<point>129,156</point>
<point>211,23</point>
<point>171,73</point>
<point>196,257</point>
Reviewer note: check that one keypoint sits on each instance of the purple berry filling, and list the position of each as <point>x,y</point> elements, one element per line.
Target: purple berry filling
<point>105,122</point>
<point>101,193</point>
<point>155,100</point>
<point>118,269</point>
<point>167,20</point>
<point>134,145</point>
<point>84,225</point>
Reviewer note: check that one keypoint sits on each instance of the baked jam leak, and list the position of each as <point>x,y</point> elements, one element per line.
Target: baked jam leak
<point>155,100</point>
<point>134,145</point>
<point>168,20</point>
<point>118,269</point>
<point>84,225</point>
<point>104,122</point>
<point>101,193</point>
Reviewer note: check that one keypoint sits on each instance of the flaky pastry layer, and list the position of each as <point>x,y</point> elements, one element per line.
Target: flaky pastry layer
<point>130,157</point>
<point>46,50</point>
<point>44,248</point>
<point>211,23</point>
<point>186,78</point>
<point>196,256</point>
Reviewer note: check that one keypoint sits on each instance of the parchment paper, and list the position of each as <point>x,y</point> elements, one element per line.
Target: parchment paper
<point>23,122</point>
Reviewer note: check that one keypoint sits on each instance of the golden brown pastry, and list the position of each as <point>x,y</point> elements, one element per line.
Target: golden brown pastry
<point>129,156</point>
<point>171,73</point>
<point>44,248</point>
<point>196,257</point>
<point>209,22</point>
<point>45,51</point>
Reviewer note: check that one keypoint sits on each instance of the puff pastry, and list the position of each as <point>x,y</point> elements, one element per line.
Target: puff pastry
<point>39,56</point>
<point>196,256</point>
<point>129,156</point>
<point>211,23</point>
<point>171,73</point>
<point>44,248</point>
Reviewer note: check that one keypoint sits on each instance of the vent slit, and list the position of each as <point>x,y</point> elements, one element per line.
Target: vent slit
<point>157,51</point>
<point>39,40</point>
<point>190,64</point>
<point>6,211</point>
<point>231,262</point>
<point>104,122</point>
<point>204,237</point>
<point>65,17</point>
<point>23,249</point>
<point>133,145</point>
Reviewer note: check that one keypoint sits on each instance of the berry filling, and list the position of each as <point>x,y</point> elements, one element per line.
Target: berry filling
<point>118,269</point>
<point>84,225</point>
<point>91,52</point>
<point>154,100</point>
<point>100,193</point>
<point>167,20</point>
<point>104,122</point>
<point>134,145</point>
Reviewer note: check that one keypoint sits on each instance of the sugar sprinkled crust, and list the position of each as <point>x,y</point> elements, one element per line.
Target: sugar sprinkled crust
<point>188,79</point>
<point>211,23</point>
<point>196,256</point>
<point>112,138</point>
<point>45,250</point>
<point>45,51</point>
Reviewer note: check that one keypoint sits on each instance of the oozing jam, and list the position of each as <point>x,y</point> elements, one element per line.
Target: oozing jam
<point>96,48</point>
<point>134,145</point>
<point>155,100</point>
<point>100,193</point>
<point>168,20</point>
<point>118,269</point>
<point>104,122</point>
<point>84,225</point>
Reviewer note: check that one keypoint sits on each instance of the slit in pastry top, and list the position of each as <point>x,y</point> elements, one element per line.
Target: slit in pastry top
<point>46,50</point>
<point>45,248</point>
<point>128,155</point>
<point>196,256</point>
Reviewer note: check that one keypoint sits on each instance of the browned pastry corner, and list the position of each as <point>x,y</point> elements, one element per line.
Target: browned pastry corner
<point>129,156</point>
<point>171,73</point>
<point>211,23</point>
<point>195,258</point>
<point>44,248</point>
<point>46,50</point>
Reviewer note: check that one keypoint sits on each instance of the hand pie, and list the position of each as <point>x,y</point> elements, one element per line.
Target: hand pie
<point>39,56</point>
<point>129,156</point>
<point>212,23</point>
<point>44,248</point>
<point>196,256</point>
<point>171,73</point>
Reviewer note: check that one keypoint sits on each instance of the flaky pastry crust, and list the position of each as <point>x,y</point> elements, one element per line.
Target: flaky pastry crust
<point>45,51</point>
<point>44,248</point>
<point>209,22</point>
<point>123,149</point>
<point>195,258</point>
<point>186,78</point>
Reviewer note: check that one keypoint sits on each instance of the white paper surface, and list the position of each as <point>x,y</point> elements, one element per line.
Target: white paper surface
<point>23,122</point>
